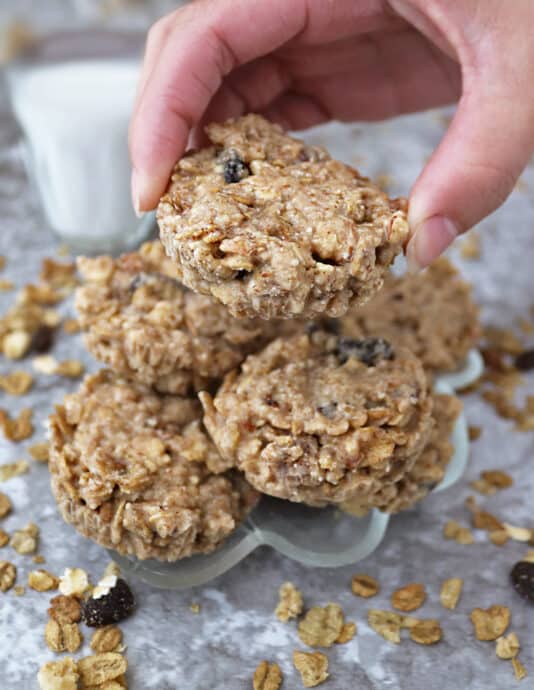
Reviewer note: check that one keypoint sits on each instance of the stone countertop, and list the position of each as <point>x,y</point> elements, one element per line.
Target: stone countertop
<point>171,648</point>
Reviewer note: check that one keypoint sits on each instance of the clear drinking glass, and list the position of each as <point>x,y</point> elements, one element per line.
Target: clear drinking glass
<point>73,94</point>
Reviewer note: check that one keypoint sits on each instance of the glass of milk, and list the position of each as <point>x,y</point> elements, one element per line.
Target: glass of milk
<point>73,99</point>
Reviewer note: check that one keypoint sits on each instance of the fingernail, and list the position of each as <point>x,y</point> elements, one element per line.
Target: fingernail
<point>430,239</point>
<point>136,199</point>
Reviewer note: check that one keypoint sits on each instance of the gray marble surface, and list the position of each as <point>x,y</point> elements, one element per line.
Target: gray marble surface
<point>169,647</point>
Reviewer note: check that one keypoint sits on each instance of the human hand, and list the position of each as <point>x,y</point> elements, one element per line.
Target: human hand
<point>304,62</point>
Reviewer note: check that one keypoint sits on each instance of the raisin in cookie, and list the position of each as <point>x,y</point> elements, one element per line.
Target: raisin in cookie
<point>134,471</point>
<point>274,228</point>
<point>141,322</point>
<point>315,418</point>
<point>430,313</point>
<point>428,470</point>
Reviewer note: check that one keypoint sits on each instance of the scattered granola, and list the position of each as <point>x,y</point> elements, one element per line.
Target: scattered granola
<point>17,428</point>
<point>290,604</point>
<point>74,582</point>
<point>347,633</point>
<point>522,577</point>
<point>312,666</point>
<point>499,537</point>
<point>39,559</point>
<point>363,585</point>
<point>65,609</point>
<point>17,382</point>
<point>25,540</point>
<point>453,530</point>
<point>71,326</point>
<point>194,608</point>
<point>111,602</point>
<point>63,637</point>
<point>5,503</point>
<point>492,481</point>
<point>321,627</point>
<point>8,575</point>
<point>6,285</point>
<point>42,581</point>
<point>386,623</point>
<point>426,632</point>
<point>409,598</point>
<point>13,469</point>
<point>100,668</point>
<point>39,451</point>
<point>470,246</point>
<point>59,675</point>
<point>475,432</point>
<point>520,671</point>
<point>507,646</point>
<point>19,590</point>
<point>490,623</point>
<point>47,364</point>
<point>523,534</point>
<point>486,521</point>
<point>450,592</point>
<point>267,676</point>
<point>106,639</point>
<point>4,538</point>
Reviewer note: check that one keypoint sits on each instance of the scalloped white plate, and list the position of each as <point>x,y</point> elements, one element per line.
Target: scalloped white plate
<point>320,537</point>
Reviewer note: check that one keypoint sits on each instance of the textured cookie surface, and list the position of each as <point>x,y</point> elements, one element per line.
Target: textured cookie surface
<point>430,313</point>
<point>316,418</point>
<point>141,322</point>
<point>135,471</point>
<point>274,228</point>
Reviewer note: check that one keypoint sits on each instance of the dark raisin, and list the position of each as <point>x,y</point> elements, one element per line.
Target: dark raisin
<point>369,351</point>
<point>522,577</point>
<point>328,410</point>
<point>234,168</point>
<point>43,339</point>
<point>525,361</point>
<point>112,607</point>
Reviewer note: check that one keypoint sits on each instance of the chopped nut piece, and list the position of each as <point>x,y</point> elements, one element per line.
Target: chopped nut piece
<point>16,344</point>
<point>13,469</point>
<point>71,326</point>
<point>59,675</point>
<point>312,666</point>
<point>364,586</point>
<point>39,451</point>
<point>8,575</point>
<point>74,582</point>
<point>106,639</point>
<point>5,504</point>
<point>347,633</point>
<point>97,669</point>
<point>486,521</point>
<point>385,623</point>
<point>290,604</point>
<point>450,593</point>
<point>4,538</point>
<point>19,590</point>
<point>25,540</point>
<point>63,637</point>
<point>453,530</point>
<point>518,533</point>
<point>42,581</point>
<point>18,428</point>
<point>16,383</point>
<point>267,676</point>
<point>65,609</point>
<point>321,627</point>
<point>474,432</point>
<point>490,623</point>
<point>409,598</point>
<point>507,647</point>
<point>426,632</point>
<point>499,537</point>
<point>520,671</point>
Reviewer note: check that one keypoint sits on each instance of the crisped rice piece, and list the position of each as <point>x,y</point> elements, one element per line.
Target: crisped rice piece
<point>133,470</point>
<point>272,227</point>
<point>318,419</point>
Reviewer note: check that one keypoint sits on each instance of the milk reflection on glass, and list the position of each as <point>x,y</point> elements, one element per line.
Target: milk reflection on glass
<point>75,117</point>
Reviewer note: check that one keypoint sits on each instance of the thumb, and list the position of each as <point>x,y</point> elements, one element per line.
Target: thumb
<point>476,165</point>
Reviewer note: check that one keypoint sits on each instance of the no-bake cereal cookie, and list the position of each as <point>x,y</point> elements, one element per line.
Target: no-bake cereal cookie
<point>272,227</point>
<point>316,418</point>
<point>141,322</point>
<point>134,471</point>
<point>430,313</point>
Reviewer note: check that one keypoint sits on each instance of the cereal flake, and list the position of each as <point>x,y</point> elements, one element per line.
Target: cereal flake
<point>290,604</point>
<point>312,666</point>
<point>409,598</point>
<point>267,676</point>
<point>320,626</point>
<point>490,623</point>
<point>450,592</point>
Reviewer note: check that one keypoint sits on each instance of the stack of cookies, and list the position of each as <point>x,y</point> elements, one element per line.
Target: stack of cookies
<point>263,347</point>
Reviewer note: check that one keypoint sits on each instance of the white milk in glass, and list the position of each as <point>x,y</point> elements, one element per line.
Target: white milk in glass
<point>75,116</point>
